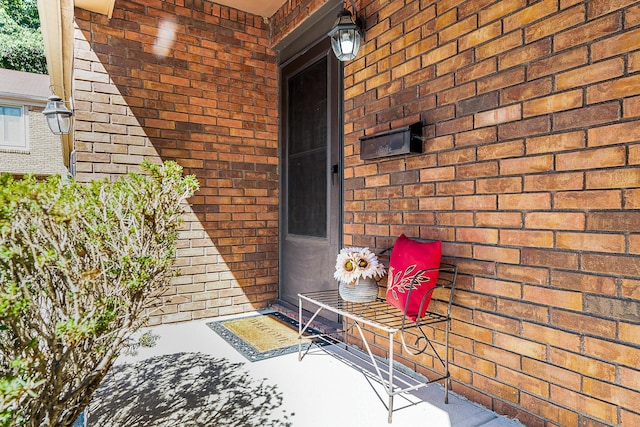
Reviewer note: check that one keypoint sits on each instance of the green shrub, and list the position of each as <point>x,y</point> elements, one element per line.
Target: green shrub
<point>80,265</point>
<point>21,43</point>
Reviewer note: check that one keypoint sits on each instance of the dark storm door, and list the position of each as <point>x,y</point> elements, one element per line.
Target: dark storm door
<point>311,198</point>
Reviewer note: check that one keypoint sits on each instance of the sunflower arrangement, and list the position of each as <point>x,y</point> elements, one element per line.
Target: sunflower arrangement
<point>353,264</point>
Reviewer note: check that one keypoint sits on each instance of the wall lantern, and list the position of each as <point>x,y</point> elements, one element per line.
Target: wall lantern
<point>346,34</point>
<point>58,115</point>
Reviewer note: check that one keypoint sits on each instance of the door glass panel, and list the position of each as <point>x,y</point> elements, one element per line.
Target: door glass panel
<point>307,151</point>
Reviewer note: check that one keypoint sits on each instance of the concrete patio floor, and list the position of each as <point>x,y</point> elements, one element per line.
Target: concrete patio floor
<point>192,377</point>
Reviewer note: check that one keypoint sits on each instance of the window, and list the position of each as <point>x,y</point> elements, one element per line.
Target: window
<point>12,128</point>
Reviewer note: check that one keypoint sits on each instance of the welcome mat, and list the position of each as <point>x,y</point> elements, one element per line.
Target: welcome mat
<point>262,336</point>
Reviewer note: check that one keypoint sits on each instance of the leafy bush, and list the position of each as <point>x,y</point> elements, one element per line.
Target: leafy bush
<point>79,267</point>
<point>21,44</point>
<point>23,52</point>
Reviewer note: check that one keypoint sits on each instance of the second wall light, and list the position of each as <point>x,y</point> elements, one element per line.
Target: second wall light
<point>346,34</point>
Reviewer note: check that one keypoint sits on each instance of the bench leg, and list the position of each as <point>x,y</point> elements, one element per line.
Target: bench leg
<point>302,328</point>
<point>390,386</point>
<point>299,329</point>
<point>447,387</point>
<point>447,381</point>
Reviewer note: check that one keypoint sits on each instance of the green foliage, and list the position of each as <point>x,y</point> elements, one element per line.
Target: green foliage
<point>79,266</point>
<point>23,12</point>
<point>21,44</point>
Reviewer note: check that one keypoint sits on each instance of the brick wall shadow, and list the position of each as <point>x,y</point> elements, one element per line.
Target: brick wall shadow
<point>195,84</point>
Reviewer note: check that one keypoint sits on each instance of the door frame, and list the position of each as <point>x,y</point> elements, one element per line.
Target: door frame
<point>335,132</point>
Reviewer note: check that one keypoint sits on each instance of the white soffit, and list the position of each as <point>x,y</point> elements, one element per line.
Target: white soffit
<point>264,8</point>
<point>104,7</point>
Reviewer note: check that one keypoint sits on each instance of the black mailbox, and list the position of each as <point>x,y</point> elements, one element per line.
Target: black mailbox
<point>392,142</point>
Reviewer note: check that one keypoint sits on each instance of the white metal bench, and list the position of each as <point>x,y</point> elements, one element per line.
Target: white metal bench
<point>381,319</point>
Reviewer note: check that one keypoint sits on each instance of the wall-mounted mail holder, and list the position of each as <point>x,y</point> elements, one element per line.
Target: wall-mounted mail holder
<point>392,142</point>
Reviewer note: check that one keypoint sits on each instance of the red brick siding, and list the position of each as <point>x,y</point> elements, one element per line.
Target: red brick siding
<point>529,176</point>
<point>530,173</point>
<point>196,84</point>
<point>291,15</point>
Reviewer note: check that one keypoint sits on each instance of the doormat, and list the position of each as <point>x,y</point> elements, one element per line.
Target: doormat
<point>262,336</point>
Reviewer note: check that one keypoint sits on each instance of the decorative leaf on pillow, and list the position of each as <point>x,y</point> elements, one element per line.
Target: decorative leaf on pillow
<point>401,281</point>
<point>390,277</point>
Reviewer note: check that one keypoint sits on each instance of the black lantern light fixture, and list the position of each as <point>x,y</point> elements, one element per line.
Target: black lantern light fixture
<point>58,115</point>
<point>346,34</point>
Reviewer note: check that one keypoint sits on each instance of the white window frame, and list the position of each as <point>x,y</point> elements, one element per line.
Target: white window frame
<point>24,119</point>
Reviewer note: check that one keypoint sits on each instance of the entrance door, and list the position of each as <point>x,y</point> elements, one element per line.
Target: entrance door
<point>311,222</point>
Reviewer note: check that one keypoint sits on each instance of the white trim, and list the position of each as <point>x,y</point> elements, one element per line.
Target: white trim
<point>34,101</point>
<point>56,22</point>
<point>104,7</point>
<point>26,113</point>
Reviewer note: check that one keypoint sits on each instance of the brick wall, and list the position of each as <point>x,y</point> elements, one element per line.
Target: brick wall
<point>292,14</point>
<point>44,155</point>
<point>192,82</point>
<point>530,177</point>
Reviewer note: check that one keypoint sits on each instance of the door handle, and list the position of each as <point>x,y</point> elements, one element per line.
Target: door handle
<point>334,173</point>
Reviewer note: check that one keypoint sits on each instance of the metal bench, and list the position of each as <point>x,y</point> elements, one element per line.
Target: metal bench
<point>379,318</point>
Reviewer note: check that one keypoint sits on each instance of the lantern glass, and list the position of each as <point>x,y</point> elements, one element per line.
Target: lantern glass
<point>59,124</point>
<point>345,37</point>
<point>58,116</point>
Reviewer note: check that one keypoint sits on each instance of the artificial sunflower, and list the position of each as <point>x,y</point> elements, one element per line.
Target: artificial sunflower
<point>355,263</point>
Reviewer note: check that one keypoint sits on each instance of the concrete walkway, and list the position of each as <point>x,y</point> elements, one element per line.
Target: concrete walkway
<point>192,377</point>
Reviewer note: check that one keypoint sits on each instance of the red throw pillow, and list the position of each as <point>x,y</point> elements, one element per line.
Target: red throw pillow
<point>410,258</point>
